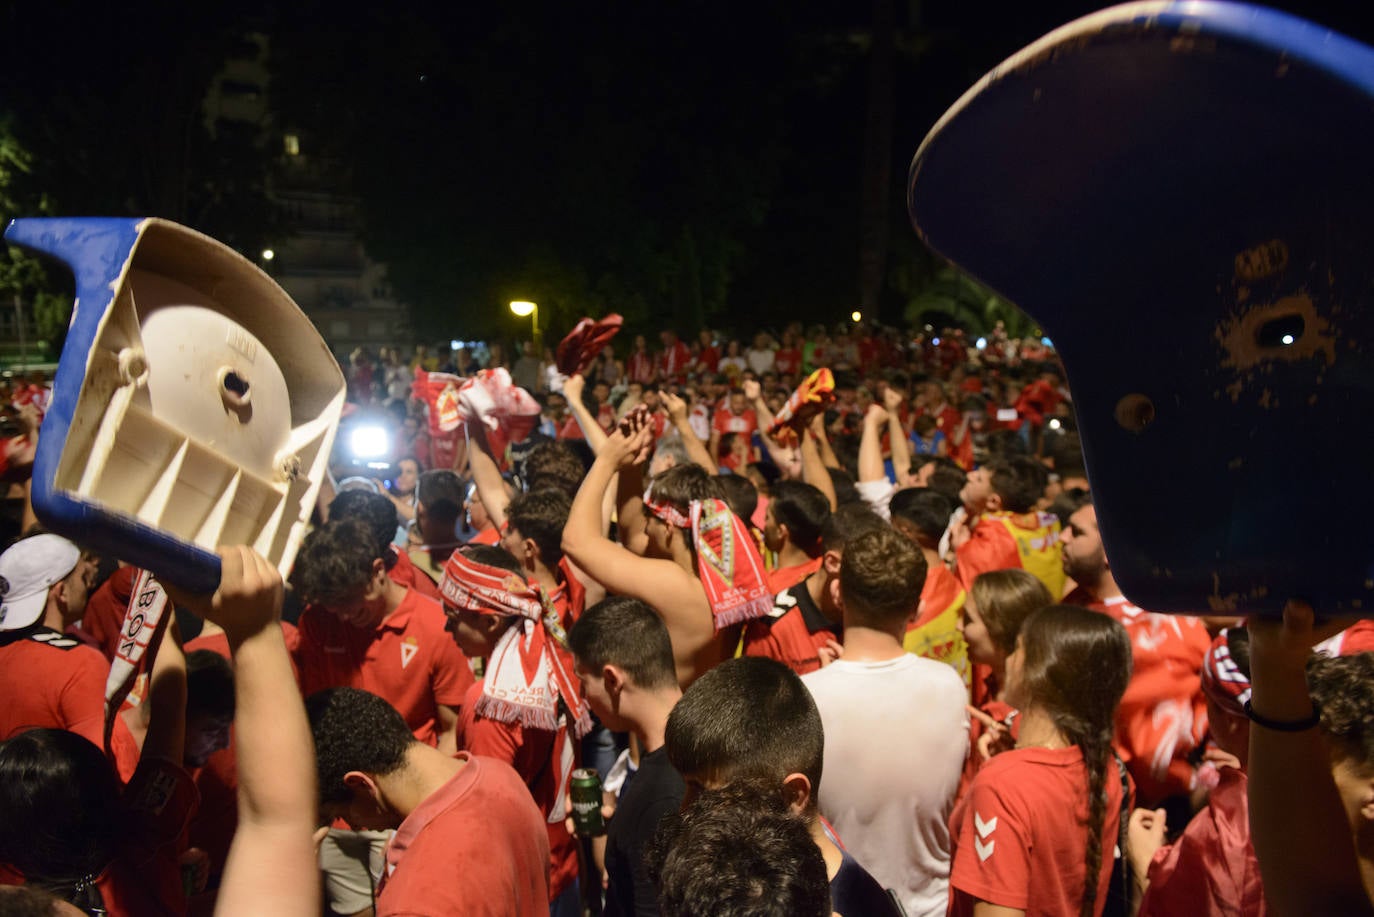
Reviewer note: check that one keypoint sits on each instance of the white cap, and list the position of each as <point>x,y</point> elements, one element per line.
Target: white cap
<point>27,570</point>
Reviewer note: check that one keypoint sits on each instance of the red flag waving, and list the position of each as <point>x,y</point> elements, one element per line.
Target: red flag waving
<point>577,351</point>
<point>812,397</point>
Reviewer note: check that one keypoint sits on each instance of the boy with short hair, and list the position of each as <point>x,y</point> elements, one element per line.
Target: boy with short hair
<point>753,718</point>
<point>892,809</point>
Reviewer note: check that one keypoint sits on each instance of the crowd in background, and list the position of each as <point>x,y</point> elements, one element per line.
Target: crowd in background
<point>870,662</point>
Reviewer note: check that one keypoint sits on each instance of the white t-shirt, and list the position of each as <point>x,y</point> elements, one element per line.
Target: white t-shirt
<point>896,735</point>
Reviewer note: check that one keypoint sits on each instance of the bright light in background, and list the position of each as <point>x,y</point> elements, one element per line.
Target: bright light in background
<point>981,343</point>
<point>369,441</point>
<point>935,341</point>
<point>1287,339</point>
<point>454,345</point>
<point>1054,423</point>
<point>856,315</point>
<point>1046,342</point>
<point>268,254</point>
<point>522,308</point>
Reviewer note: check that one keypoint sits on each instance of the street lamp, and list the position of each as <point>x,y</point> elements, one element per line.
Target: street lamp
<point>522,308</point>
<point>268,254</point>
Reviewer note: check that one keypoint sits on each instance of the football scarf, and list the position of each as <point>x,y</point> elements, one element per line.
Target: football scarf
<point>584,343</point>
<point>812,397</point>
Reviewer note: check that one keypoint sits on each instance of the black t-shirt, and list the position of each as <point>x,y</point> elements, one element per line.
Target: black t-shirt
<point>655,791</point>
<point>855,893</point>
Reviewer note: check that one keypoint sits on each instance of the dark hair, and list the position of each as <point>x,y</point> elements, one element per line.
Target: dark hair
<point>1076,666</point>
<point>335,561</point>
<point>846,494</point>
<point>628,634</point>
<point>1005,598</point>
<point>804,510</point>
<point>554,465</point>
<point>847,523</point>
<point>1020,482</point>
<point>749,716</point>
<point>740,494</point>
<point>494,556</point>
<point>375,510</point>
<point>1069,502</point>
<point>209,685</point>
<point>1343,690</point>
<point>1238,645</point>
<point>540,515</point>
<point>738,852</point>
<point>60,798</point>
<point>881,578</point>
<point>925,510</point>
<point>947,481</point>
<point>682,484</point>
<point>440,492</point>
<point>354,730</point>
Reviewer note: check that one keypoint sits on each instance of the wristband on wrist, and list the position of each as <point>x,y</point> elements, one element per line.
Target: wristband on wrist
<point>1301,725</point>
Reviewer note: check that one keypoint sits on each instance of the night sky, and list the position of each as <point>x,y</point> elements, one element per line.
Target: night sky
<point>676,162</point>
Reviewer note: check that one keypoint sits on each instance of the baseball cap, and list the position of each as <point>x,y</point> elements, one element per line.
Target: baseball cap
<point>27,570</point>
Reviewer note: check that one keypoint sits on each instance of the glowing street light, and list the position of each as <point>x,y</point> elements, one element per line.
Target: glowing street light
<point>857,316</point>
<point>522,308</point>
<point>268,254</point>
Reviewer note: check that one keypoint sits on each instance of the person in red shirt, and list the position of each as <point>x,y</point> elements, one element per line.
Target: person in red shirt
<point>516,713</point>
<point>1003,530</point>
<point>469,840</point>
<point>1211,868</point>
<point>378,513</point>
<point>640,366</point>
<point>72,829</point>
<point>675,359</point>
<point>931,401</point>
<point>103,618</point>
<point>793,523</point>
<point>708,358</point>
<point>1163,717</point>
<point>734,417</point>
<point>803,630</point>
<point>362,629</point>
<point>1036,832</point>
<point>48,679</point>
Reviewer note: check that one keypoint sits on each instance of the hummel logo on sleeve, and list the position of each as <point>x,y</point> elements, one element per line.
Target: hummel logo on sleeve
<point>984,830</point>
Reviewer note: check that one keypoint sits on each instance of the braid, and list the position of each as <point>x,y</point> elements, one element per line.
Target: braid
<point>1096,747</point>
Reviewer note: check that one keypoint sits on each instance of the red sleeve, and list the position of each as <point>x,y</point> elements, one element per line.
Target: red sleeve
<point>492,739</point>
<point>992,855</point>
<point>82,700</point>
<point>989,548</point>
<point>450,676</point>
<point>306,654</point>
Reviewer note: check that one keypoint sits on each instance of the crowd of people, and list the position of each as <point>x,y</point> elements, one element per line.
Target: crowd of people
<point>870,661</point>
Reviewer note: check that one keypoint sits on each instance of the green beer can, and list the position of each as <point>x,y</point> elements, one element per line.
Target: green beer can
<point>586,802</point>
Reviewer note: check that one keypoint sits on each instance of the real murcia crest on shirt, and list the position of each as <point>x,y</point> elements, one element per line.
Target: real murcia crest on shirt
<point>409,647</point>
<point>983,842</point>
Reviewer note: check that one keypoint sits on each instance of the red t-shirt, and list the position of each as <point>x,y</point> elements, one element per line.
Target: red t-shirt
<point>673,361</point>
<point>104,615</point>
<point>784,578</point>
<point>484,821</point>
<point>708,359</point>
<point>726,422</point>
<point>52,681</point>
<point>787,360</point>
<point>793,632</point>
<point>407,574</point>
<point>531,752</point>
<point>1019,837</point>
<point>409,660</point>
<point>640,367</point>
<point>1211,868</point>
<point>1163,715</point>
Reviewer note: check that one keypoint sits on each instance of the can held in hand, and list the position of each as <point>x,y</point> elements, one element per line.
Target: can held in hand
<point>586,802</point>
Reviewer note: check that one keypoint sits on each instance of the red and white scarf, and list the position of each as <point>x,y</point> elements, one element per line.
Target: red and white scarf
<point>526,676</point>
<point>1222,679</point>
<point>729,565</point>
<point>508,412</point>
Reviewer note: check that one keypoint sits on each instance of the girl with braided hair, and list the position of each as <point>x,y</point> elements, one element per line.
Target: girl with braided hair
<point>1037,830</point>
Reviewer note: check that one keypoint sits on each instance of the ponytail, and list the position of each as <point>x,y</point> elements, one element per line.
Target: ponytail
<point>1077,664</point>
